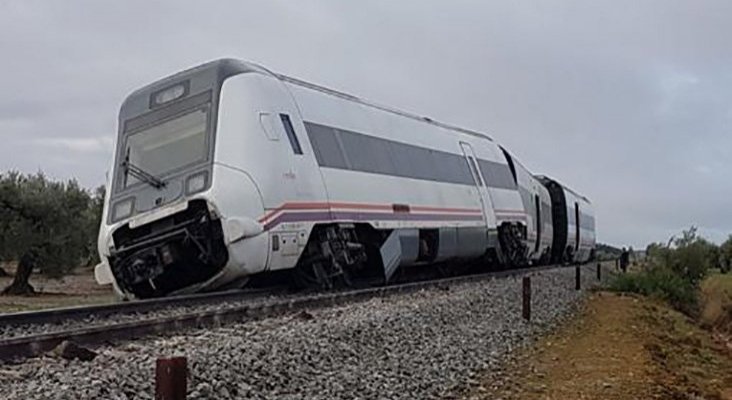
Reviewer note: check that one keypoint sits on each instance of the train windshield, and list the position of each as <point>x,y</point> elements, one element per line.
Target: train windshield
<point>164,148</point>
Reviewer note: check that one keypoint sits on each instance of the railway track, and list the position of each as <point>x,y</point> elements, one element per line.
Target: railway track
<point>55,315</point>
<point>260,307</point>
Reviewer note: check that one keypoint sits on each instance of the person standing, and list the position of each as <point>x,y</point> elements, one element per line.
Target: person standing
<point>624,260</point>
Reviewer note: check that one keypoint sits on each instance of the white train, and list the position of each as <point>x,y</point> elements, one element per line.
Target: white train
<point>227,170</point>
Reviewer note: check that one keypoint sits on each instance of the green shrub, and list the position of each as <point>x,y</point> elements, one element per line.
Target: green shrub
<point>673,270</point>
<point>662,283</point>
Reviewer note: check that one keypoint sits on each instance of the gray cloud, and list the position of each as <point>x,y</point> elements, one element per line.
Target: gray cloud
<point>626,101</point>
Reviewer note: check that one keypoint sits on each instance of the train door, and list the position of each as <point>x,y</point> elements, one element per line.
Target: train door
<point>485,200</point>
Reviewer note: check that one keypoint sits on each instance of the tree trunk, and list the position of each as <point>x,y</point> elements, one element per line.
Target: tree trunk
<point>21,285</point>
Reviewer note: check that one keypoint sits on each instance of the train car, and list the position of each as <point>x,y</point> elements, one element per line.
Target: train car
<point>227,170</point>
<point>574,224</point>
<point>536,202</point>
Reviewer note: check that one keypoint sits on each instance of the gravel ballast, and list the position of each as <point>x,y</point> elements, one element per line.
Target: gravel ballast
<point>10,331</point>
<point>429,344</point>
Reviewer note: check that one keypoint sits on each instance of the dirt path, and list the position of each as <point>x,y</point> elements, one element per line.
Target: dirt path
<point>620,347</point>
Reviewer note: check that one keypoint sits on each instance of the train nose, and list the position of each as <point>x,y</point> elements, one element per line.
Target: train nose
<point>247,244</point>
<point>239,228</point>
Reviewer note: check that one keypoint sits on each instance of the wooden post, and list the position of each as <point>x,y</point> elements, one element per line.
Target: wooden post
<point>526,309</point>
<point>171,375</point>
<point>577,278</point>
<point>599,272</point>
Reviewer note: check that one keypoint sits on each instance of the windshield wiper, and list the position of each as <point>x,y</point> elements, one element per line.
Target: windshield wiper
<point>141,174</point>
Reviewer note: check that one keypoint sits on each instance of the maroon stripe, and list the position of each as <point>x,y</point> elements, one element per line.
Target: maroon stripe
<point>297,217</point>
<point>363,216</point>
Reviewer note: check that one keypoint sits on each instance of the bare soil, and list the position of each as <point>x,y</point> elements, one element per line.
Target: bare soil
<point>619,347</point>
<point>78,288</point>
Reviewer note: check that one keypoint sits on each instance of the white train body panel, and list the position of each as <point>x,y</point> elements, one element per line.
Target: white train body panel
<point>578,206</point>
<point>271,159</point>
<point>573,216</point>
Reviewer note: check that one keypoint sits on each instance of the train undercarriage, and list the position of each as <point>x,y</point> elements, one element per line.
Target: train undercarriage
<point>512,250</point>
<point>346,255</point>
<point>170,254</point>
<point>187,248</point>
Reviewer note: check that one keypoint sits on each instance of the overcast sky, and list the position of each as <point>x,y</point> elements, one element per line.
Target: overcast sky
<point>628,102</point>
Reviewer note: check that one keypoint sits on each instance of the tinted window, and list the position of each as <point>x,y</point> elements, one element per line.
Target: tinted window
<point>167,146</point>
<point>497,175</point>
<point>587,221</point>
<point>415,161</point>
<point>291,133</point>
<point>403,166</point>
<point>325,146</point>
<point>368,153</point>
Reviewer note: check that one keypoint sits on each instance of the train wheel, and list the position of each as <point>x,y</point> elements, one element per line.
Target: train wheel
<point>513,251</point>
<point>332,255</point>
<point>311,276</point>
<point>321,276</point>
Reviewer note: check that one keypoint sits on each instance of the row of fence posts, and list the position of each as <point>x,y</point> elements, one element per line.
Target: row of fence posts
<point>171,374</point>
<point>526,286</point>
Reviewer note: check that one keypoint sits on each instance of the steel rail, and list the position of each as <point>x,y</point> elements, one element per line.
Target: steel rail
<point>34,345</point>
<point>55,315</point>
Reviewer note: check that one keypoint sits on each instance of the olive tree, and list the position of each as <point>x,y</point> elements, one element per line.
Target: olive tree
<point>46,225</point>
<point>693,255</point>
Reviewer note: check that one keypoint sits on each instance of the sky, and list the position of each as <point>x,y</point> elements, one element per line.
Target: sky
<point>627,102</point>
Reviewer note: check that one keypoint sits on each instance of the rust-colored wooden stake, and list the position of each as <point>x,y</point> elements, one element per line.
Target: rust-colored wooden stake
<point>171,376</point>
<point>526,309</point>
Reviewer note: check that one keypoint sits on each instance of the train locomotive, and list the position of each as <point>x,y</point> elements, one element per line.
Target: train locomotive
<point>228,171</point>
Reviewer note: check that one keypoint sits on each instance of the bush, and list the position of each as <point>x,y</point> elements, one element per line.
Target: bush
<point>662,283</point>
<point>673,270</point>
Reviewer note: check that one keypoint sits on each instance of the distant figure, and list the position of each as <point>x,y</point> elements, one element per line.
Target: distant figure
<point>624,260</point>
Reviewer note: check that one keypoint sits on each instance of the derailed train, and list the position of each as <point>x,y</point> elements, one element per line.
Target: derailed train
<point>227,171</point>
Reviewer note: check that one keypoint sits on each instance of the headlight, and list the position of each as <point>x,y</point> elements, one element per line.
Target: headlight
<point>123,209</point>
<point>169,94</point>
<point>196,183</point>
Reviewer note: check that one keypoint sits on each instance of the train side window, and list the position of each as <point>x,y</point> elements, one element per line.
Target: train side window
<point>291,133</point>
<point>367,153</point>
<point>325,146</point>
<point>497,175</point>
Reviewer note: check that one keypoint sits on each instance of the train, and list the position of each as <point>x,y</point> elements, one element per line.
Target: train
<point>228,171</point>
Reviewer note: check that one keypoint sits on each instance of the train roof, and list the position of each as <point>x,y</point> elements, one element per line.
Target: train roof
<point>546,178</point>
<point>227,67</point>
<point>347,96</point>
